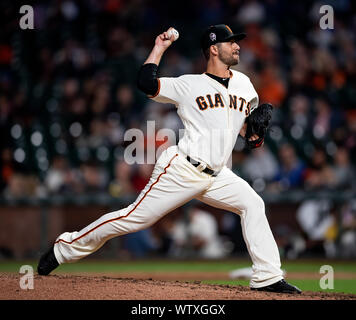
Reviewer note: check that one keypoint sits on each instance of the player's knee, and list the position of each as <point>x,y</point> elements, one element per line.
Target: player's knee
<point>135,226</point>
<point>257,204</point>
<point>260,203</point>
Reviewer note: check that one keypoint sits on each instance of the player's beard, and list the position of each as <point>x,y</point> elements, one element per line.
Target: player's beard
<point>228,59</point>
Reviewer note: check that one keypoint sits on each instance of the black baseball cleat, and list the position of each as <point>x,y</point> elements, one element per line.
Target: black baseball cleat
<point>281,286</point>
<point>47,263</point>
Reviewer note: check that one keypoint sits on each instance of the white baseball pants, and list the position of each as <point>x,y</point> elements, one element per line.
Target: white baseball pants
<point>175,181</point>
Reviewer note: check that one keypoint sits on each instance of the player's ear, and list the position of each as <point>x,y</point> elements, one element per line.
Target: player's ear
<point>214,50</point>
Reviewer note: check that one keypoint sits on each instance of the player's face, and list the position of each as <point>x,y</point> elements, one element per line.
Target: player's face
<point>228,52</point>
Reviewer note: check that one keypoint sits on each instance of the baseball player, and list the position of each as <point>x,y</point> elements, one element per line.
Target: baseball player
<point>215,107</point>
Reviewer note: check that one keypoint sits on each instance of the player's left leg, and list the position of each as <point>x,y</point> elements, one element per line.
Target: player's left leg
<point>174,181</point>
<point>232,193</point>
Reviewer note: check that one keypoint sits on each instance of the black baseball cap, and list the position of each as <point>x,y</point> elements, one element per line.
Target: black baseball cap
<point>219,33</point>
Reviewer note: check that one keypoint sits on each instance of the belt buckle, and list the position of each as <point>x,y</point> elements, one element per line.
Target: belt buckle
<point>201,166</point>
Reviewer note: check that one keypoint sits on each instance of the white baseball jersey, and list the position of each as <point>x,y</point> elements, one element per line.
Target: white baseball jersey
<point>207,109</point>
<point>212,114</point>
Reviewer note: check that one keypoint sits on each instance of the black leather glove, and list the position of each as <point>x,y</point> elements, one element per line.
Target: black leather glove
<point>257,124</point>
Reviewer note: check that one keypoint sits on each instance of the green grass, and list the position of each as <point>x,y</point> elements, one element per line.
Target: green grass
<point>340,285</point>
<point>179,266</point>
<point>135,266</point>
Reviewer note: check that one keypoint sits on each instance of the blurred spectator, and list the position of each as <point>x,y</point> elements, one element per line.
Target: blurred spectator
<point>255,46</point>
<point>16,187</point>
<point>125,104</point>
<point>175,65</point>
<point>115,129</point>
<point>344,174</point>
<point>318,222</point>
<point>100,101</point>
<point>230,228</point>
<point>93,178</point>
<point>260,167</point>
<point>271,88</point>
<point>210,11</point>
<point>58,176</point>
<point>238,157</point>
<point>139,244</point>
<point>290,172</point>
<point>321,125</point>
<point>7,167</point>
<point>348,230</point>
<point>98,134</point>
<point>251,12</point>
<point>142,176</point>
<point>121,184</point>
<point>200,234</point>
<point>299,115</point>
<point>319,173</point>
<point>300,67</point>
<point>23,186</point>
<point>172,121</point>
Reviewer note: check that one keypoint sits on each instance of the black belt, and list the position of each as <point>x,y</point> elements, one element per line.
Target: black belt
<point>206,170</point>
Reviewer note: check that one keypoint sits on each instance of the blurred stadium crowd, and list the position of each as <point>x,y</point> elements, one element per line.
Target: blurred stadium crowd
<point>68,93</point>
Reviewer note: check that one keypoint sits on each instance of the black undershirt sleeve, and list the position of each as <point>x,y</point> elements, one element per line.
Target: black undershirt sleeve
<point>147,80</point>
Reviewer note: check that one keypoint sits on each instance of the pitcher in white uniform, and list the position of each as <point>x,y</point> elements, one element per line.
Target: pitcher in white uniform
<point>213,107</point>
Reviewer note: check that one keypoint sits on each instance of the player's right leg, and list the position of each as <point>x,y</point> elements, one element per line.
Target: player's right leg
<point>173,182</point>
<point>232,193</point>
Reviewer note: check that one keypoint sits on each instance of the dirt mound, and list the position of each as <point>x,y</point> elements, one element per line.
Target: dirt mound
<point>77,287</point>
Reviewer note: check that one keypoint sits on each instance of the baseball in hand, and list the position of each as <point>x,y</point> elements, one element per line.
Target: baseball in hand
<point>173,32</point>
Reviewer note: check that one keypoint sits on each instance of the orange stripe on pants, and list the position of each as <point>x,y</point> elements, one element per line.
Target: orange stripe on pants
<point>115,219</point>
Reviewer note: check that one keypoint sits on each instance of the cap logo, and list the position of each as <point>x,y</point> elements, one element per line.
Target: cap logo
<point>212,36</point>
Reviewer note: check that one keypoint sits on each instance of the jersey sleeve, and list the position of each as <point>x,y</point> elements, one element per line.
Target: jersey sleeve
<point>171,90</point>
<point>254,103</point>
<point>254,100</point>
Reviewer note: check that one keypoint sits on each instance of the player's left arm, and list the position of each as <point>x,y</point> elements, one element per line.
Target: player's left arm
<point>253,105</point>
<point>257,121</point>
<point>257,124</point>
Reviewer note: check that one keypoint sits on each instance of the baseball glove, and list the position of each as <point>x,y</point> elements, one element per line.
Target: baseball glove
<point>258,123</point>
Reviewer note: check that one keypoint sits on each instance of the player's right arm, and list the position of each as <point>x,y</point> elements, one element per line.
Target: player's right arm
<point>147,77</point>
<point>162,43</point>
<point>165,90</point>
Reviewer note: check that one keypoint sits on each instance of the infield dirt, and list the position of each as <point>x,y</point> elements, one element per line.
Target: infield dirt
<point>96,287</point>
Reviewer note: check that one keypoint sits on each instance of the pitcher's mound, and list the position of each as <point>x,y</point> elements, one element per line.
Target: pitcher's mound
<point>75,287</point>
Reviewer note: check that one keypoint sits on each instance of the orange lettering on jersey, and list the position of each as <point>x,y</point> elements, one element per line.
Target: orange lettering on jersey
<point>211,104</point>
<point>218,101</point>
<point>248,108</point>
<point>233,101</point>
<point>243,101</point>
<point>201,103</point>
